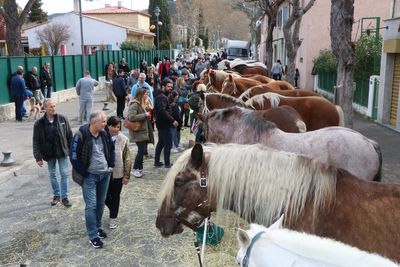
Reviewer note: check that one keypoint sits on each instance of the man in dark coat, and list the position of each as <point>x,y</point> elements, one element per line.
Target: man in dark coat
<point>46,80</point>
<point>164,121</point>
<point>119,89</point>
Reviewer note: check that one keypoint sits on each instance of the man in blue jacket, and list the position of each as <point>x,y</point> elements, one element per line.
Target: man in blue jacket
<point>119,89</point>
<point>18,92</point>
<point>92,156</point>
<point>142,84</point>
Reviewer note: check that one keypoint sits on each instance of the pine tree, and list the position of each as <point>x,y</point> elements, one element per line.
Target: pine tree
<point>165,28</point>
<point>37,14</point>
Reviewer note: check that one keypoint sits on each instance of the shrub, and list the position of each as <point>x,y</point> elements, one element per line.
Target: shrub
<point>326,61</point>
<point>137,45</point>
<point>164,44</point>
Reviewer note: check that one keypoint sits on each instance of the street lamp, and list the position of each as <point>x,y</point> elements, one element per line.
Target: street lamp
<point>82,45</point>
<point>157,12</point>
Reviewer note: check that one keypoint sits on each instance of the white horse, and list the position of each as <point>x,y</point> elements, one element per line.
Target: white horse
<point>275,246</point>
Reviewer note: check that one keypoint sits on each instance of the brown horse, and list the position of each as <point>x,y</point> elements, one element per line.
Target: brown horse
<point>285,118</point>
<point>259,184</point>
<point>260,78</point>
<point>265,88</point>
<point>217,101</point>
<point>235,86</point>
<point>248,68</point>
<point>317,112</point>
<point>336,146</point>
<point>281,85</point>
<point>213,79</point>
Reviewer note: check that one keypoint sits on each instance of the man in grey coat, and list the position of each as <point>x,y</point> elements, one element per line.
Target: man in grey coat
<point>85,88</point>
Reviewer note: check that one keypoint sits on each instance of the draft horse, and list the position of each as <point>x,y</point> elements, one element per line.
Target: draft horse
<point>244,68</point>
<point>265,88</point>
<point>259,184</point>
<point>317,112</point>
<point>336,146</point>
<point>235,86</point>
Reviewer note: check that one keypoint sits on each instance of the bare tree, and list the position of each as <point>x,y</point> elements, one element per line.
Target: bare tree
<point>14,21</point>
<point>270,9</point>
<point>187,14</point>
<point>253,12</point>
<point>53,35</point>
<point>342,17</point>
<point>291,33</point>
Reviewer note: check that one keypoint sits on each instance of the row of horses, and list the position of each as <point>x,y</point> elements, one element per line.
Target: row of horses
<point>322,177</point>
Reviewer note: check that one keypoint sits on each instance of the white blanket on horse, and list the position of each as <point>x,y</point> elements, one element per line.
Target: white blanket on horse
<point>238,62</point>
<point>288,248</point>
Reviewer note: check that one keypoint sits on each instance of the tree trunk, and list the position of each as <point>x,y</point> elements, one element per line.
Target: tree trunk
<point>269,51</point>
<point>14,23</point>
<point>291,31</point>
<point>342,16</point>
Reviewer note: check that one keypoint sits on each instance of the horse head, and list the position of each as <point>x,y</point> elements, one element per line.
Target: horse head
<point>184,199</point>
<point>229,86</point>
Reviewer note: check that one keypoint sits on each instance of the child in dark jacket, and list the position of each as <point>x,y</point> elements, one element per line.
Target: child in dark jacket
<point>175,113</point>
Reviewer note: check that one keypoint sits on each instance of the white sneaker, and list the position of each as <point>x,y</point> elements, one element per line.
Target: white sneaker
<point>112,224</point>
<point>174,150</point>
<point>137,173</point>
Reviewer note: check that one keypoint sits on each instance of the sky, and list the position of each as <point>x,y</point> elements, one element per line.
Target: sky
<point>63,6</point>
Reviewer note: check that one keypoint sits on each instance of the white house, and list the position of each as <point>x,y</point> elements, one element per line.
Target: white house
<point>95,33</point>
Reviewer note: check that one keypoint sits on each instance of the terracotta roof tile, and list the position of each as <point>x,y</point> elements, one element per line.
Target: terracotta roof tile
<point>113,10</point>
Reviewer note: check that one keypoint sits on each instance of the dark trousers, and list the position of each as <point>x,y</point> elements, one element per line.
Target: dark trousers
<point>164,142</point>
<point>277,76</point>
<point>120,106</point>
<point>113,197</point>
<point>138,164</point>
<point>19,100</point>
<point>184,113</point>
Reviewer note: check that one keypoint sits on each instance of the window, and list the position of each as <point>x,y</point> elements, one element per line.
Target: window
<point>285,14</point>
<point>279,18</point>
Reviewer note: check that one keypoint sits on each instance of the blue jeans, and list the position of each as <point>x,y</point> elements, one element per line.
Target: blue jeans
<point>175,141</point>
<point>63,167</point>
<point>94,191</point>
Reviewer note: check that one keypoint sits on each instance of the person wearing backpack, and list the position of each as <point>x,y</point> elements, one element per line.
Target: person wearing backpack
<point>194,103</point>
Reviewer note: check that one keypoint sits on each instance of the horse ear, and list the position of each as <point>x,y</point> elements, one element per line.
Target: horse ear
<point>243,238</point>
<point>196,157</point>
<point>278,224</point>
<point>230,78</point>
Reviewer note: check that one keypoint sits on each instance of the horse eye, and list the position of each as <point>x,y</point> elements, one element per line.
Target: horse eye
<point>179,182</point>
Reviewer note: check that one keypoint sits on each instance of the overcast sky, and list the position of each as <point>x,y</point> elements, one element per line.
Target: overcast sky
<point>63,6</point>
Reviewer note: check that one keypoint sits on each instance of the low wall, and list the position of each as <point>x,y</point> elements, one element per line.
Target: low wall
<point>7,111</point>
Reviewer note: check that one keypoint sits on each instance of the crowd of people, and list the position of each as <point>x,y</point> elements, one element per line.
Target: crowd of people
<point>163,96</point>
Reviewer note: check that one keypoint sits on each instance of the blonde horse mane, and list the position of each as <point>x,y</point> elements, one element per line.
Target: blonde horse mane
<point>261,182</point>
<point>273,98</point>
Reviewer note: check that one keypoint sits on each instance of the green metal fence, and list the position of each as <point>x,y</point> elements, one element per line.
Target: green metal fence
<point>67,70</point>
<point>327,81</point>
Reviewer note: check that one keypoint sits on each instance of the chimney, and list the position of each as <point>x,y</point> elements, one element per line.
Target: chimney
<point>119,4</point>
<point>76,6</point>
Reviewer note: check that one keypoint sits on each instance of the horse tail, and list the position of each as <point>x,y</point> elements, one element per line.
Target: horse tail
<point>341,115</point>
<point>378,176</point>
<point>302,126</point>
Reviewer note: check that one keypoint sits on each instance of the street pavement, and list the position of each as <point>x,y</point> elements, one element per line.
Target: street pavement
<point>36,234</point>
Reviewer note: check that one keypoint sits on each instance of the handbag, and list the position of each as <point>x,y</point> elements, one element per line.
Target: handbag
<point>133,126</point>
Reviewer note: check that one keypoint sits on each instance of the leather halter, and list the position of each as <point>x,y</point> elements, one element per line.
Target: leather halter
<point>180,217</point>
<point>245,261</point>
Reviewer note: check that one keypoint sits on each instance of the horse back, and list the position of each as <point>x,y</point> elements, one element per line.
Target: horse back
<point>286,118</point>
<point>365,215</point>
<point>316,112</point>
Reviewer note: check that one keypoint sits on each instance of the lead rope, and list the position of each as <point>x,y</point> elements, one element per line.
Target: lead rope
<point>196,245</point>
<point>203,247</point>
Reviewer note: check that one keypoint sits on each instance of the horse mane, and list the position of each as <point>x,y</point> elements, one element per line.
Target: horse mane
<point>230,98</point>
<point>237,62</point>
<point>246,93</point>
<point>247,116</point>
<point>273,98</point>
<point>260,183</point>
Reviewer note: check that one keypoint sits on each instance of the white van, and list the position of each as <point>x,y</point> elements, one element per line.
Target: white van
<point>237,49</point>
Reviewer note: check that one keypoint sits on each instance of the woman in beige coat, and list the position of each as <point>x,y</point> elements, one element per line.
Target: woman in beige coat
<point>122,169</point>
<point>137,112</point>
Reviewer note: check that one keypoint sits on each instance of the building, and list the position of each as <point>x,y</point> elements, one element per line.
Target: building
<point>103,29</point>
<point>315,32</point>
<point>388,96</point>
